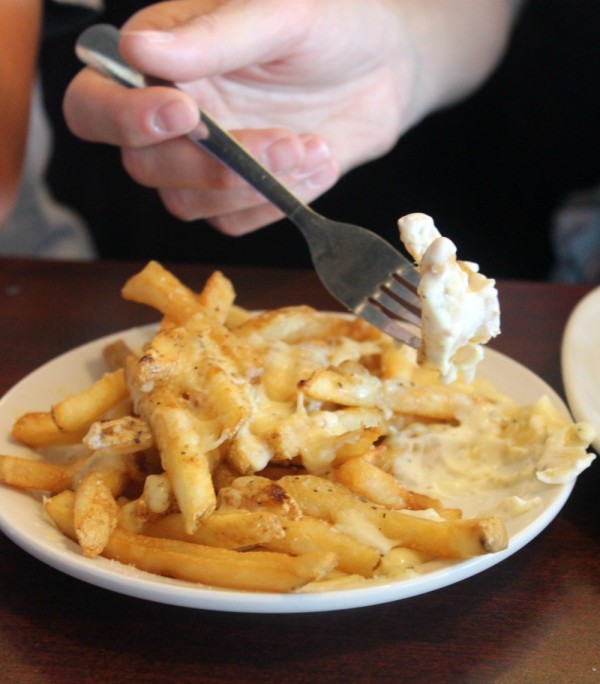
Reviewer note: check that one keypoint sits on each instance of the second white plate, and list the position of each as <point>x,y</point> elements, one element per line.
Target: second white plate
<point>580,360</point>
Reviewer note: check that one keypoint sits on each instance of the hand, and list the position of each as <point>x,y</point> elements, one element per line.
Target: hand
<point>311,87</point>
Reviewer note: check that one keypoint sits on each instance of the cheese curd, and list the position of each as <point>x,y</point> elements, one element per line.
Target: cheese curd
<point>460,309</point>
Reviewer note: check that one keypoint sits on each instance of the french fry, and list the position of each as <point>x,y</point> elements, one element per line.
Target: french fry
<point>371,482</point>
<point>95,514</point>
<point>441,538</point>
<point>307,534</point>
<point>29,474</point>
<point>217,297</point>
<point>228,529</point>
<point>80,410</point>
<point>163,291</point>
<point>351,388</point>
<point>184,446</point>
<point>125,435</point>
<point>37,429</point>
<point>259,493</point>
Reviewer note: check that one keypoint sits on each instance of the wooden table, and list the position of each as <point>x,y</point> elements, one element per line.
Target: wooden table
<point>533,618</point>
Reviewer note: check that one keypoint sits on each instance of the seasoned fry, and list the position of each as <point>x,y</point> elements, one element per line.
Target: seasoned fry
<point>163,291</point>
<point>95,514</point>
<point>37,429</point>
<point>184,445</point>
<point>217,297</point>
<point>228,529</point>
<point>28,474</point>
<point>308,534</point>
<point>125,435</point>
<point>371,482</point>
<point>80,410</point>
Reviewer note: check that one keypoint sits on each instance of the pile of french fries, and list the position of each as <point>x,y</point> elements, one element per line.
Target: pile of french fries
<point>248,451</point>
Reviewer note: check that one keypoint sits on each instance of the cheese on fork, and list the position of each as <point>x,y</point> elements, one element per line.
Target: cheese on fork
<point>460,309</point>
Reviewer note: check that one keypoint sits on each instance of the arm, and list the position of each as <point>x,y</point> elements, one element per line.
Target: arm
<point>19,36</point>
<point>311,87</point>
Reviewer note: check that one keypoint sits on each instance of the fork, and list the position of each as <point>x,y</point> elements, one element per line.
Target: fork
<point>358,267</point>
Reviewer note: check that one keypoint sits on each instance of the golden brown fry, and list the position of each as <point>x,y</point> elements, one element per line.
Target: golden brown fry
<point>184,444</point>
<point>439,402</point>
<point>354,387</point>
<point>95,514</point>
<point>217,297</point>
<point>80,410</point>
<point>229,529</point>
<point>29,474</point>
<point>307,534</point>
<point>369,481</point>
<point>160,289</point>
<point>248,570</point>
<point>125,435</point>
<point>37,429</point>
<point>259,493</point>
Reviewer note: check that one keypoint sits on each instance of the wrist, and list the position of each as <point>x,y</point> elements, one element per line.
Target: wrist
<point>455,45</point>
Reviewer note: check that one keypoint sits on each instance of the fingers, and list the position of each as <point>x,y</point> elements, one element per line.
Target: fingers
<point>98,110</point>
<point>197,186</point>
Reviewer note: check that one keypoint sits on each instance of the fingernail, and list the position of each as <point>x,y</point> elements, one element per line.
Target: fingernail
<point>152,36</point>
<point>316,151</point>
<point>174,117</point>
<point>282,155</point>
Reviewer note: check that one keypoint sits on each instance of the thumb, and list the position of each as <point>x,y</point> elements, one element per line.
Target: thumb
<point>177,42</point>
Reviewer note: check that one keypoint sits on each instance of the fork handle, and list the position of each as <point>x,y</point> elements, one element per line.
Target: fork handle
<point>98,46</point>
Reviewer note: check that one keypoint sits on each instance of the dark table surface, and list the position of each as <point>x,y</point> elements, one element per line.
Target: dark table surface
<point>535,617</point>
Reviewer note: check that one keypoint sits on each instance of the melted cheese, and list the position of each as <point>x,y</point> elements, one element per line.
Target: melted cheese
<point>460,309</point>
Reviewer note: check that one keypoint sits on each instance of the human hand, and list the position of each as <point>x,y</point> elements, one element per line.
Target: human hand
<point>305,97</point>
<point>311,87</point>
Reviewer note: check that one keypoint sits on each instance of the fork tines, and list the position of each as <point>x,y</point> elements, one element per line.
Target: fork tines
<point>394,304</point>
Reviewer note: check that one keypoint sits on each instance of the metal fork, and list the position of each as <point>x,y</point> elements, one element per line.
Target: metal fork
<point>359,268</point>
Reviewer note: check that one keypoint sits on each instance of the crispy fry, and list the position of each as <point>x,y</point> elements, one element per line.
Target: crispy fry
<point>29,474</point>
<point>183,444</point>
<point>160,289</point>
<point>217,297</point>
<point>37,429</point>
<point>95,514</point>
<point>371,482</point>
<point>80,410</point>
<point>354,387</point>
<point>306,534</point>
<point>259,493</point>
<point>124,435</point>
<point>229,529</point>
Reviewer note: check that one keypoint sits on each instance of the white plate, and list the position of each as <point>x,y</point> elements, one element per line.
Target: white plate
<point>581,361</point>
<point>22,518</point>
